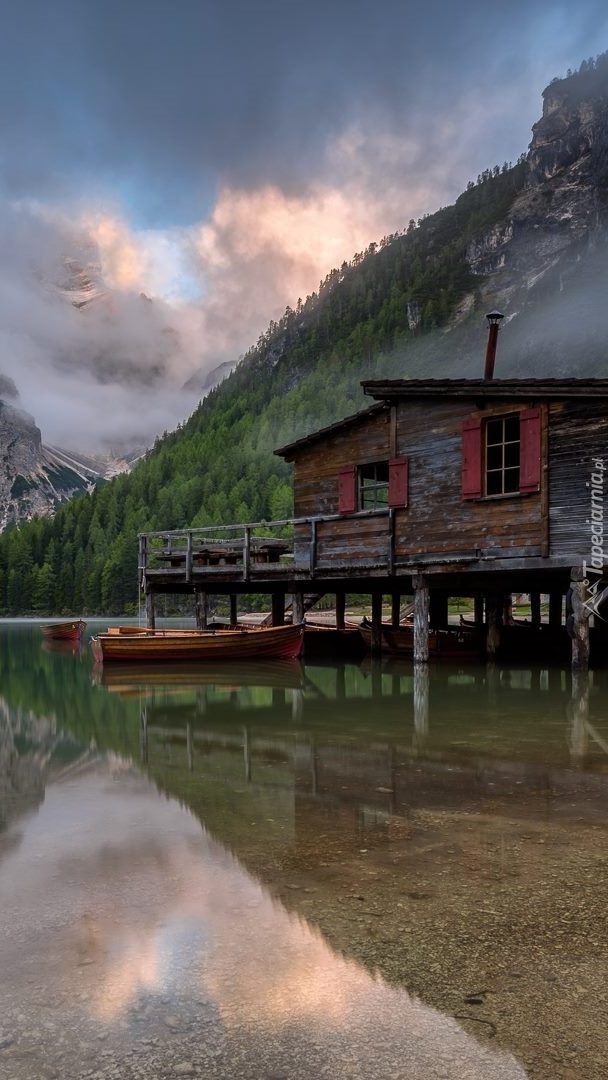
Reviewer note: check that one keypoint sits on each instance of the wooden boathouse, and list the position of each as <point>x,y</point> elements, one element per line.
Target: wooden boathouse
<point>442,488</point>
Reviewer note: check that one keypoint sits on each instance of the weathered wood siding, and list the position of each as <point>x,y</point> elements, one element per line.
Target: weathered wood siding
<point>317,467</point>
<point>578,435</point>
<point>437,521</point>
<point>316,470</point>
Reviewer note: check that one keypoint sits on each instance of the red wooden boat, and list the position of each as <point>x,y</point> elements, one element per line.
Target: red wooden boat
<point>134,643</point>
<point>64,631</point>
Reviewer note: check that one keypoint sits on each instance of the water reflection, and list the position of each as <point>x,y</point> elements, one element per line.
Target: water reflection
<point>137,924</point>
<point>522,713</point>
<point>298,869</point>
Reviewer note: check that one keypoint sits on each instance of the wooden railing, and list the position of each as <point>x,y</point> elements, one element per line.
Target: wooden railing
<point>305,544</point>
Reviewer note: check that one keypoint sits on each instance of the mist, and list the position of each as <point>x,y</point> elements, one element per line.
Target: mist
<point>221,161</point>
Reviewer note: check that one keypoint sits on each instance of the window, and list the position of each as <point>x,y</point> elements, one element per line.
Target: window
<point>502,455</point>
<point>374,486</point>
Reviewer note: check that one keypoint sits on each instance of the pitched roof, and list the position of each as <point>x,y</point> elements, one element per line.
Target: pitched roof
<point>385,390</point>
<point>291,448</point>
<point>389,389</point>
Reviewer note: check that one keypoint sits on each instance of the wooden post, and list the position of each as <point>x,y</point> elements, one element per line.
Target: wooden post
<point>507,610</point>
<point>312,553</point>
<point>578,619</point>
<point>234,615</point>
<point>493,608</point>
<point>201,610</point>
<point>150,615</point>
<point>189,556</point>
<point>395,610</point>
<point>278,609</point>
<point>297,608</point>
<point>376,623</point>
<point>535,609</point>
<point>246,553</point>
<point>340,610</point>
<point>421,620</point>
<point>555,610</point>
<point>142,560</point>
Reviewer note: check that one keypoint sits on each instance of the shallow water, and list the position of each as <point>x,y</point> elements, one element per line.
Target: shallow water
<point>295,870</point>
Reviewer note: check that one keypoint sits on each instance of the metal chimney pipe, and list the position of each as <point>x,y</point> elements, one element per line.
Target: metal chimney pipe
<point>493,318</point>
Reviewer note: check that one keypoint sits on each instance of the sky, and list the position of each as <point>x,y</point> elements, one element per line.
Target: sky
<point>220,157</point>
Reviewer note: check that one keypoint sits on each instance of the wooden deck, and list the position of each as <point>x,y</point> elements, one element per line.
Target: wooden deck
<point>312,552</point>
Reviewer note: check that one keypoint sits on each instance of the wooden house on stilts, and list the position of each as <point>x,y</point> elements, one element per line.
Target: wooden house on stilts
<point>481,488</point>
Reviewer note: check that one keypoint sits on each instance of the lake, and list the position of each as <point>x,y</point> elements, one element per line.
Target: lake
<point>285,871</point>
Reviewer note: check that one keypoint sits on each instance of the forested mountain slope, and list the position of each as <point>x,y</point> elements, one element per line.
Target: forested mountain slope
<point>526,238</point>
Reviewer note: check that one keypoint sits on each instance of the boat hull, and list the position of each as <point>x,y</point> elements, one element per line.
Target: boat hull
<point>132,644</point>
<point>448,644</point>
<point>68,631</point>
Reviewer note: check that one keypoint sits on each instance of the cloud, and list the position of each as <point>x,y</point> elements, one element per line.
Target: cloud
<point>93,364</point>
<point>223,162</point>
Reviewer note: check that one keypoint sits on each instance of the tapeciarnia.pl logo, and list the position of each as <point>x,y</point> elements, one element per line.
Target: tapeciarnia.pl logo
<point>597,591</point>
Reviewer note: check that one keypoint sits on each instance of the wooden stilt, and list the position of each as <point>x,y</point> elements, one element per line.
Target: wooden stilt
<point>376,623</point>
<point>234,616</point>
<point>421,620</point>
<point>535,609</point>
<point>395,610</point>
<point>578,619</point>
<point>297,608</point>
<point>150,614</point>
<point>201,610</point>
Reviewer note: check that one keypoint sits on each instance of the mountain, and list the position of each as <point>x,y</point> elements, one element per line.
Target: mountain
<point>37,479</point>
<point>529,239</point>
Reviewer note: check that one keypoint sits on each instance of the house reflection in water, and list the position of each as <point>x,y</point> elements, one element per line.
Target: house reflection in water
<point>380,738</point>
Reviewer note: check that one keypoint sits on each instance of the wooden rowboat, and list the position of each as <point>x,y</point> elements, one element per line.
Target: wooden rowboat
<point>450,644</point>
<point>64,631</point>
<point>133,643</point>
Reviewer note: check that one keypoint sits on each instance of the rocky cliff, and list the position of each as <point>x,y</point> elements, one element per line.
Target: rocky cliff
<point>34,479</point>
<point>545,265</point>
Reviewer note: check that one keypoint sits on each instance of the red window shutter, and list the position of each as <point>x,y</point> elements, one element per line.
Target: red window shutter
<point>530,450</point>
<point>397,481</point>
<point>347,490</point>
<point>471,459</point>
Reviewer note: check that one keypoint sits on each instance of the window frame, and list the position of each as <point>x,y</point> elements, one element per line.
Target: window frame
<point>351,489</point>
<point>373,486</point>
<point>532,453</point>
<point>503,419</point>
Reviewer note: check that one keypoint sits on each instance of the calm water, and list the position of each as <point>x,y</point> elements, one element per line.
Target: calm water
<point>288,871</point>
